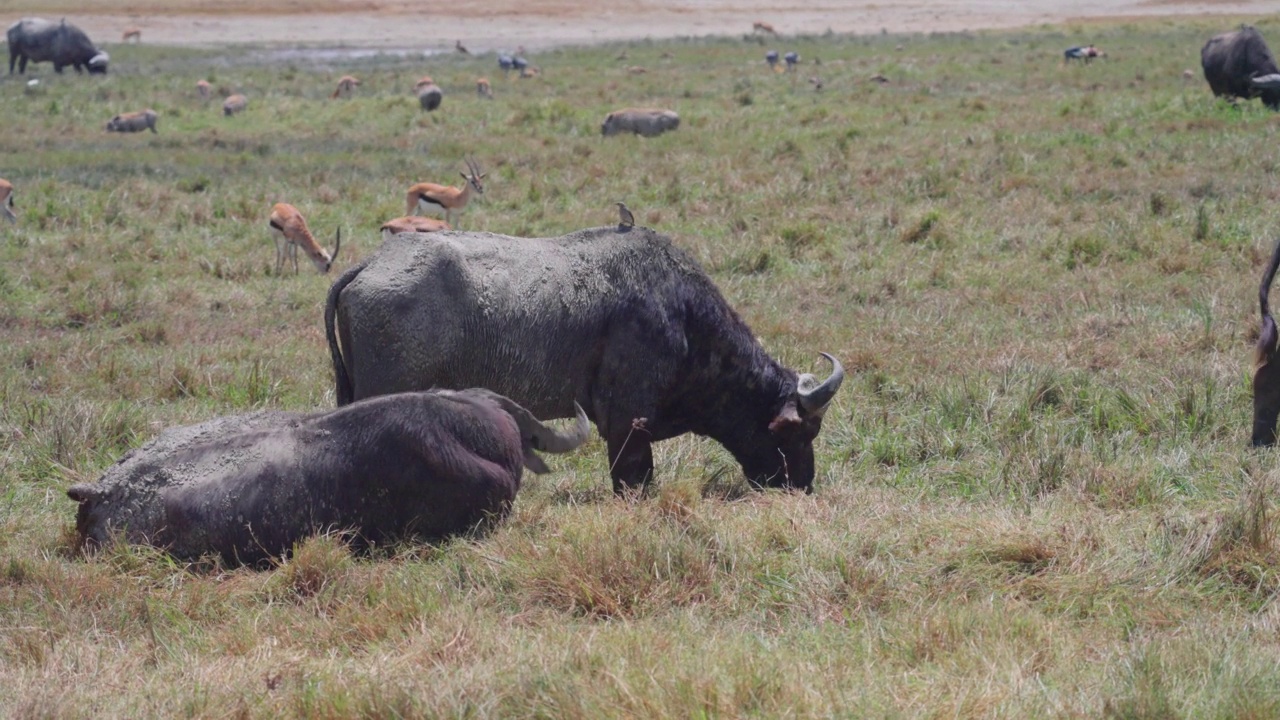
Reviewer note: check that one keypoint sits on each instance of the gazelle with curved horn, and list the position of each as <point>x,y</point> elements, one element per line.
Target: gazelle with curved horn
<point>445,198</point>
<point>290,231</point>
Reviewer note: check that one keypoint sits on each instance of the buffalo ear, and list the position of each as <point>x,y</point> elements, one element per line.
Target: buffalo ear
<point>84,493</point>
<point>788,417</point>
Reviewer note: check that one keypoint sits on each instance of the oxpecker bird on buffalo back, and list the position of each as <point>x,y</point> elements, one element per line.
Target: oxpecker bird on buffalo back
<point>1240,65</point>
<point>1266,370</point>
<point>247,488</point>
<point>625,324</point>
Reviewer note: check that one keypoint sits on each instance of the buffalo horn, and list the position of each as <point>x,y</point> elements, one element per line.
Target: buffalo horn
<point>1266,82</point>
<point>84,493</point>
<point>814,398</point>
<point>100,59</point>
<point>543,438</point>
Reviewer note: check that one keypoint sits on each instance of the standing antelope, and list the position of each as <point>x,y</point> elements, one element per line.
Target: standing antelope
<point>760,26</point>
<point>483,89</point>
<point>6,200</point>
<point>202,88</point>
<point>133,33</point>
<point>429,196</point>
<point>234,104</point>
<point>290,231</point>
<point>346,86</point>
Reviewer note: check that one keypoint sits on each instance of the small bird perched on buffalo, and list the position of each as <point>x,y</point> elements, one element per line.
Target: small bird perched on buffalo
<point>625,218</point>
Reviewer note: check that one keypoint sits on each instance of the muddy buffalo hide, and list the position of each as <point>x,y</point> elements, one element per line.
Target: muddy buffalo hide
<point>249,487</point>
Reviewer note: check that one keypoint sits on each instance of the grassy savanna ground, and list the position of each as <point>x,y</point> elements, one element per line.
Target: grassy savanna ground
<point>1034,495</point>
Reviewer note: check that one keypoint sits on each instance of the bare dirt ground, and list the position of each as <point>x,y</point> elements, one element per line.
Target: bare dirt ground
<point>485,25</point>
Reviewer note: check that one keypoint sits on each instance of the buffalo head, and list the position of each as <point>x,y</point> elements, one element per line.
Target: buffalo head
<point>780,452</point>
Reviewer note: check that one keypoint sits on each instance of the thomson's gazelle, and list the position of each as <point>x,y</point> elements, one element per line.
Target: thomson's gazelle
<point>290,231</point>
<point>6,200</point>
<point>412,224</point>
<point>445,198</point>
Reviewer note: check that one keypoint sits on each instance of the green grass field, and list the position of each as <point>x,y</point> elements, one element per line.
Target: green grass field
<point>1034,499</point>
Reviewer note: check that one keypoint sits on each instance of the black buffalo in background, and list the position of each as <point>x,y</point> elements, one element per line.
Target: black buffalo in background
<point>1240,65</point>
<point>36,40</point>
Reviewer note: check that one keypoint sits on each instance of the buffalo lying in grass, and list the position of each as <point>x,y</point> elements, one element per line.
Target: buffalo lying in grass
<point>1239,64</point>
<point>247,488</point>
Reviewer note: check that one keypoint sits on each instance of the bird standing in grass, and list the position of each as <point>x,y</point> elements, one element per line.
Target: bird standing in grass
<point>625,218</point>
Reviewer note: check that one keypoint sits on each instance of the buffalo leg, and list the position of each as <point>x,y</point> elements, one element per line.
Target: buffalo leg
<point>630,456</point>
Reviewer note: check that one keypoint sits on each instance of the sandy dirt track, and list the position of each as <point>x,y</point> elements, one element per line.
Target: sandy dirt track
<point>505,24</point>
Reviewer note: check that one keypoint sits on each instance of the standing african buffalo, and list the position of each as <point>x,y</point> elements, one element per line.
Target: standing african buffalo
<point>1266,374</point>
<point>1239,64</point>
<point>63,44</point>
<point>625,324</point>
<point>425,465</point>
<point>641,121</point>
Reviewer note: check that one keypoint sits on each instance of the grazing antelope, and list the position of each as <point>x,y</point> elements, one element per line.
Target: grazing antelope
<point>461,48</point>
<point>133,33</point>
<point>290,231</point>
<point>429,196</point>
<point>346,86</point>
<point>412,223</point>
<point>760,26</point>
<point>529,71</point>
<point>202,88</point>
<point>234,104</point>
<point>6,200</point>
<point>483,89</point>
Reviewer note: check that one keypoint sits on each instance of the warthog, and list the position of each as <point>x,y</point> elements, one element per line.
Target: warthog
<point>133,122</point>
<point>247,488</point>
<point>234,104</point>
<point>641,121</point>
<point>429,96</point>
